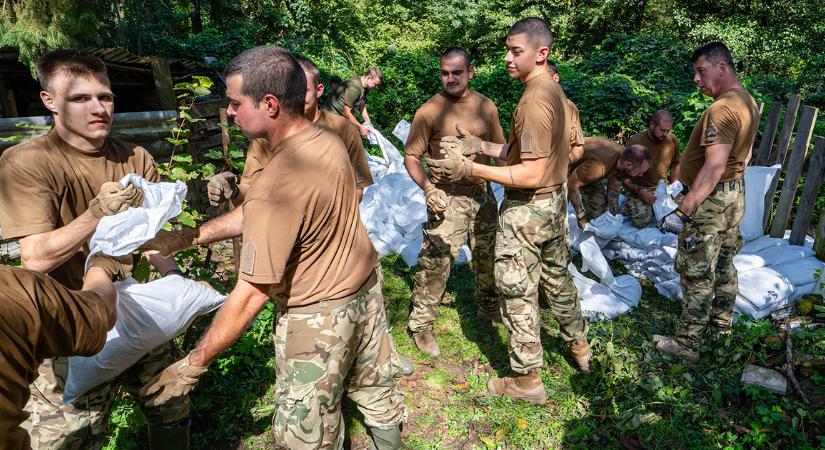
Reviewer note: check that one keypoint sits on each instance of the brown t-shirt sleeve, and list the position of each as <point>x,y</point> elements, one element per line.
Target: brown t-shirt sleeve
<point>496,132</point>
<point>27,204</point>
<point>534,125</point>
<point>270,232</point>
<point>590,170</point>
<point>576,133</point>
<point>721,126</point>
<point>418,140</point>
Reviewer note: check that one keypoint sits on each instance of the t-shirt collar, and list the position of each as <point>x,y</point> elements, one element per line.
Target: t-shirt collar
<point>66,147</point>
<point>464,97</point>
<point>301,136</point>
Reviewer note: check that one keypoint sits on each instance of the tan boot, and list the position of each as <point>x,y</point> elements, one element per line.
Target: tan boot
<point>580,350</point>
<point>668,344</point>
<point>523,387</point>
<point>425,341</point>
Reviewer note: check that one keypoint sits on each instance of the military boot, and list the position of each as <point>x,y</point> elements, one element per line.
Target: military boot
<point>175,437</point>
<point>523,387</point>
<point>406,366</point>
<point>386,439</point>
<point>425,341</point>
<point>580,350</point>
<point>668,344</point>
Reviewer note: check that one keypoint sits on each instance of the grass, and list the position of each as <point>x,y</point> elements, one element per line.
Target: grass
<point>636,398</point>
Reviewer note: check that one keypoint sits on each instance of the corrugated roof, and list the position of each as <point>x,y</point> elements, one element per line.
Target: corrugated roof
<point>118,55</point>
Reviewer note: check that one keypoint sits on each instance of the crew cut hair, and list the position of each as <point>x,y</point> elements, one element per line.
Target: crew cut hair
<point>269,69</point>
<point>374,72</point>
<point>457,51</point>
<point>636,154</point>
<point>310,68</point>
<point>536,29</point>
<point>69,61</point>
<point>715,52</point>
<point>552,66</point>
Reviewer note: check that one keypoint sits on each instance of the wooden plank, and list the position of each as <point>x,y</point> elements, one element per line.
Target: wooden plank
<point>819,240</point>
<point>236,242</point>
<point>793,171</point>
<point>163,84</point>
<point>208,108</point>
<point>807,201</point>
<point>779,154</point>
<point>768,136</point>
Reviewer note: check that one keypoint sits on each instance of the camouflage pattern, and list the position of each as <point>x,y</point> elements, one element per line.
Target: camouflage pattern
<point>594,199</point>
<point>319,356</point>
<point>444,234</point>
<point>531,261</point>
<point>639,212</point>
<point>705,262</point>
<point>83,425</point>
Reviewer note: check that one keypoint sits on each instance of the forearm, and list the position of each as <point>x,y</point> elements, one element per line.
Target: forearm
<point>613,200</point>
<point>574,195</point>
<point>351,117</point>
<point>163,264</point>
<point>44,252</point>
<point>674,173</point>
<point>515,176</point>
<point>237,313</point>
<point>416,171</point>
<point>220,228</point>
<point>496,151</point>
<point>631,187</point>
<point>98,281</point>
<point>705,183</point>
<point>365,114</point>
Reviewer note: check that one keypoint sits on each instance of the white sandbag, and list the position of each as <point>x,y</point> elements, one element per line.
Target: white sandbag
<point>745,308</point>
<point>464,256</point>
<point>774,256</point>
<point>148,315</point>
<point>123,233</point>
<point>388,150</point>
<point>402,131</point>
<point>605,226</point>
<point>627,289</point>
<point>664,203</point>
<point>764,288</point>
<point>757,182</point>
<point>670,289</point>
<point>747,261</point>
<point>761,243</point>
<point>410,253</point>
<point>593,261</point>
<point>801,271</point>
<point>809,240</point>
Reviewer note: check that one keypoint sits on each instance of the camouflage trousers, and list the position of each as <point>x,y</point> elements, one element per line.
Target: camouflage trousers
<point>83,425</point>
<point>594,199</point>
<point>639,212</point>
<point>705,263</point>
<point>320,356</point>
<point>531,261</point>
<point>472,216</point>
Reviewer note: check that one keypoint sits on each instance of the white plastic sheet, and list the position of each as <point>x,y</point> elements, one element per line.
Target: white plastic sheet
<point>148,315</point>
<point>610,297</point>
<point>664,203</point>
<point>757,180</point>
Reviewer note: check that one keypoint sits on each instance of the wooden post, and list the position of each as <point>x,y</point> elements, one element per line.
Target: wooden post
<point>819,241</point>
<point>236,242</point>
<point>793,171</point>
<point>164,86</point>
<point>768,136</point>
<point>813,181</point>
<point>787,131</point>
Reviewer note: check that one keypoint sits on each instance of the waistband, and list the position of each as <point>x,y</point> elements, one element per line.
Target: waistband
<point>529,196</point>
<point>725,186</point>
<point>325,306</point>
<point>462,189</point>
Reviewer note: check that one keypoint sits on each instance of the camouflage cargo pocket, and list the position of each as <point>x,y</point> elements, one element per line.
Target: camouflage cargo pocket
<point>510,271</point>
<point>692,259</point>
<point>297,422</point>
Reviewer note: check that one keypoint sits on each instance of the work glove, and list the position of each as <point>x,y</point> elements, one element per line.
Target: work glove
<point>221,187</point>
<point>168,243</point>
<point>118,268</point>
<point>114,198</point>
<point>436,199</point>
<point>455,166</point>
<point>674,222</point>
<point>466,142</point>
<point>175,381</point>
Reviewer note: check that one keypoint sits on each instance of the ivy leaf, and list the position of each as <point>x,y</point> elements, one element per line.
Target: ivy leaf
<point>183,158</point>
<point>186,219</point>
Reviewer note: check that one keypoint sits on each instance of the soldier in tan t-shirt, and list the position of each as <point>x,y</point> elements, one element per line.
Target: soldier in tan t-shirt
<point>47,190</point>
<point>576,133</point>
<point>707,220</point>
<point>603,162</point>
<point>222,186</point>
<point>664,157</point>
<point>531,244</point>
<point>306,248</point>
<point>455,210</point>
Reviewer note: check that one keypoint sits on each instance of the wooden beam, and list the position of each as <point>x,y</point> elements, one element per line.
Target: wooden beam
<point>768,135</point>
<point>807,201</point>
<point>778,156</point>
<point>793,171</point>
<point>819,239</point>
<point>163,84</point>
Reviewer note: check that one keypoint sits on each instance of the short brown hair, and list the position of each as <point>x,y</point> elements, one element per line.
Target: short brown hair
<point>69,61</point>
<point>636,154</point>
<point>374,73</point>
<point>536,29</point>
<point>269,69</point>
<point>457,51</point>
<point>311,68</point>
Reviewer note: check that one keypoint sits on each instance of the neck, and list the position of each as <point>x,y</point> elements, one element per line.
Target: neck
<point>78,141</point>
<point>313,114</point>
<point>538,70</point>
<point>729,85</point>
<point>287,127</point>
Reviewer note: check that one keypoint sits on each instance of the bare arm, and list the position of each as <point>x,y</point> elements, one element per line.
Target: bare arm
<point>351,117</point>
<point>242,190</point>
<point>98,281</point>
<point>576,153</point>
<point>613,187</point>
<point>526,175</point>
<point>674,172</point>
<point>162,263</point>
<point>226,226</point>
<point>416,171</point>
<point>237,313</point>
<point>44,252</point>
<point>496,151</point>
<point>365,114</point>
<point>716,158</point>
<point>575,196</point>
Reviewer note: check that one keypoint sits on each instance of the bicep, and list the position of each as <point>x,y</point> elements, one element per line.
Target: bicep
<point>716,156</point>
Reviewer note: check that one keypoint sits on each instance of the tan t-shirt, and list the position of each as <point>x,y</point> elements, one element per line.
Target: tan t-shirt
<point>45,183</point>
<point>41,319</point>
<point>540,129</point>
<point>301,230</point>
<point>664,155</point>
<point>576,133</point>
<point>438,117</point>
<point>598,161</point>
<point>257,157</point>
<point>731,119</point>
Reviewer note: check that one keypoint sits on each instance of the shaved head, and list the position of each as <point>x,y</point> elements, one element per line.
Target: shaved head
<point>636,154</point>
<point>662,116</point>
<point>537,31</point>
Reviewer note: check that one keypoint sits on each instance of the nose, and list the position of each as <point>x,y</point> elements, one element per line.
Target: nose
<point>97,107</point>
<point>696,78</point>
<point>508,57</point>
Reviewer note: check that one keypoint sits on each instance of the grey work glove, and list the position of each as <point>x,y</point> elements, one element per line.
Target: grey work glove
<point>117,267</point>
<point>466,142</point>
<point>175,381</point>
<point>114,198</point>
<point>222,186</point>
<point>455,166</point>
<point>168,243</point>
<point>436,199</point>
<point>674,222</point>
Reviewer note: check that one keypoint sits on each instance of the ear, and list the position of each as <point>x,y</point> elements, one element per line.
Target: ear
<point>271,104</point>
<point>471,72</point>
<point>48,101</point>
<point>542,54</point>
<point>320,89</point>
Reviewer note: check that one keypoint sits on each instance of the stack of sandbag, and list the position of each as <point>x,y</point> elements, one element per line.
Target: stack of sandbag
<point>609,297</point>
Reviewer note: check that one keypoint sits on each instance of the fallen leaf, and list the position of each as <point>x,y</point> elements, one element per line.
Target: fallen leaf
<point>522,424</point>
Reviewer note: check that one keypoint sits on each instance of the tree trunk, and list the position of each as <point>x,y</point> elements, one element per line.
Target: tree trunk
<point>197,20</point>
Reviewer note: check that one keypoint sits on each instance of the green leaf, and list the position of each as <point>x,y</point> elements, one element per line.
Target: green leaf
<point>183,158</point>
<point>213,154</point>
<point>186,219</point>
<point>237,154</point>
<point>203,81</point>
<point>141,270</point>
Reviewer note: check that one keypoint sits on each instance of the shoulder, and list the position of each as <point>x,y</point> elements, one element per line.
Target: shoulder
<point>638,138</point>
<point>30,151</point>
<point>121,150</point>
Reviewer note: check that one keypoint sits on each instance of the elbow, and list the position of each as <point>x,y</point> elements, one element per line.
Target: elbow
<point>32,261</point>
<point>533,182</point>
